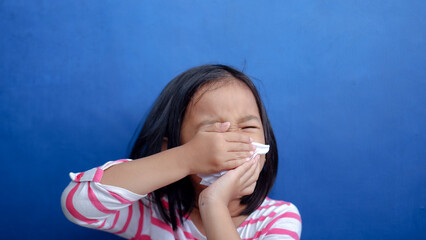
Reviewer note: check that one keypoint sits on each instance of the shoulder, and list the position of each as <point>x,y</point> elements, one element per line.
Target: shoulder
<point>279,206</point>
<point>276,219</point>
<point>276,210</point>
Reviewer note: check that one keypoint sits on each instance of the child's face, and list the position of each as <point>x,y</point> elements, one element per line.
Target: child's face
<point>231,101</point>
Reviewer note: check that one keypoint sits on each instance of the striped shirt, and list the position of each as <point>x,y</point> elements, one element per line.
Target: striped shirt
<point>91,204</point>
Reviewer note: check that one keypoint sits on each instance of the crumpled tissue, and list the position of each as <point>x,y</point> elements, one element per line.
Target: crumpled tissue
<point>207,179</point>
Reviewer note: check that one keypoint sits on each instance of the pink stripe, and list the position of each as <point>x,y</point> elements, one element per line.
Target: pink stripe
<point>280,203</point>
<point>280,231</point>
<point>78,177</point>
<point>71,209</point>
<point>272,214</point>
<point>266,229</point>
<point>129,217</point>
<point>98,175</point>
<point>161,224</point>
<point>97,203</point>
<point>165,203</point>
<point>140,224</point>
<point>292,215</point>
<point>122,160</point>
<point>119,198</point>
<point>102,225</point>
<point>117,215</point>
<point>187,234</point>
<point>255,220</point>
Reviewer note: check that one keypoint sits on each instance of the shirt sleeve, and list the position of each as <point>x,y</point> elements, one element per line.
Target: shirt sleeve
<point>286,225</point>
<point>87,202</point>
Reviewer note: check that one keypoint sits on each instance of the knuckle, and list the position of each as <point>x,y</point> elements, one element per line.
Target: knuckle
<point>249,191</point>
<point>246,138</point>
<point>216,163</point>
<point>249,147</point>
<point>243,138</point>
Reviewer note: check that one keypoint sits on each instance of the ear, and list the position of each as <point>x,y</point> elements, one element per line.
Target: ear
<point>164,144</point>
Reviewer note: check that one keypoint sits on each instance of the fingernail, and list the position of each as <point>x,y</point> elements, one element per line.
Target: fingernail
<point>251,139</point>
<point>248,159</point>
<point>251,152</point>
<point>253,147</point>
<point>225,124</point>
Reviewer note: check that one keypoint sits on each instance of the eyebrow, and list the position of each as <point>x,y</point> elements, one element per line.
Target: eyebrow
<point>241,120</point>
<point>249,118</point>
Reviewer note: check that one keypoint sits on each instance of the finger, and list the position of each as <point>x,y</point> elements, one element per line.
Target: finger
<point>231,164</point>
<point>255,175</point>
<point>239,155</point>
<point>243,173</point>
<point>240,147</point>
<point>243,168</point>
<point>259,165</point>
<point>237,137</point>
<point>250,174</point>
<point>216,127</point>
<point>249,190</point>
<point>249,186</point>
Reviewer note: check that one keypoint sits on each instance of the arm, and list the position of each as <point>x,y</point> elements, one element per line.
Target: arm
<point>210,150</point>
<point>217,221</point>
<point>96,197</point>
<point>147,174</point>
<point>88,203</point>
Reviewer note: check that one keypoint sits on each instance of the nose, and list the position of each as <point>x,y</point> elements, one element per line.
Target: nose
<point>233,128</point>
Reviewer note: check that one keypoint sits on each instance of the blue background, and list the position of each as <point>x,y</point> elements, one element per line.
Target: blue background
<point>344,83</point>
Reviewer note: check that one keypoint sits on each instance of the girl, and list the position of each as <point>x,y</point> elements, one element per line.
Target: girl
<point>204,122</point>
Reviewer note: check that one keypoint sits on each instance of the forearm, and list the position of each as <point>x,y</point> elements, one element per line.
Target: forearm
<point>217,221</point>
<point>147,174</point>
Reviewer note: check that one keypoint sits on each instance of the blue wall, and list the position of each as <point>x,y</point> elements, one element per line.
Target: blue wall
<point>344,83</point>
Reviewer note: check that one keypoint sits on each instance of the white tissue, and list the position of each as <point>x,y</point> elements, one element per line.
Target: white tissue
<point>207,179</point>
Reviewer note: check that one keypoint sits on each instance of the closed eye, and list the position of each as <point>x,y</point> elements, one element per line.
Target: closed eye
<point>249,127</point>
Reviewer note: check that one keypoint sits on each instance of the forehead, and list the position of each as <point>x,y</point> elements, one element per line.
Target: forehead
<point>223,101</point>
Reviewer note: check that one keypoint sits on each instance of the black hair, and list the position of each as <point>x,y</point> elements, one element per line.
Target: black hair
<point>165,121</point>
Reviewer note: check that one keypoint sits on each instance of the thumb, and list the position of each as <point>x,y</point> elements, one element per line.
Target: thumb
<point>217,127</point>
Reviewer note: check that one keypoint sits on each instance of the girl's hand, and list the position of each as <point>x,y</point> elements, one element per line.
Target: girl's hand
<point>213,149</point>
<point>234,184</point>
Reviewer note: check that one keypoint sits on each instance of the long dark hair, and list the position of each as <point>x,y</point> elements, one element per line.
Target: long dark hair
<point>165,121</point>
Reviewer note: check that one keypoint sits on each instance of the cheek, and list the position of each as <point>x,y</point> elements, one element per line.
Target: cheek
<point>256,137</point>
<point>262,161</point>
<point>183,138</point>
<point>186,134</point>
